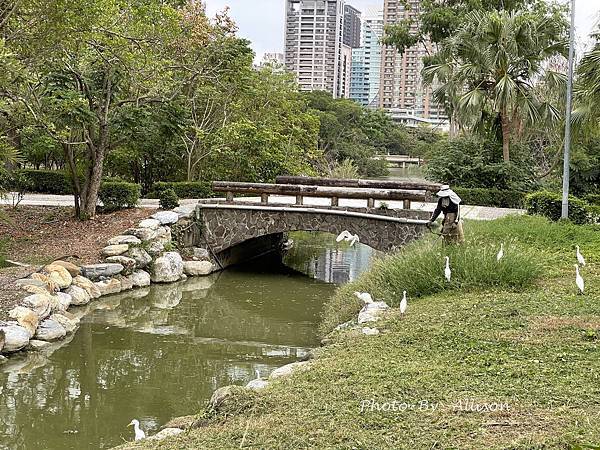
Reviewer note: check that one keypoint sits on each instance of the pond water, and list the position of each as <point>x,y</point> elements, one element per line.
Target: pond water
<point>157,353</point>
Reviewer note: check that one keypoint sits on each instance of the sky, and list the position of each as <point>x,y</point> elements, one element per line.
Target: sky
<point>262,21</point>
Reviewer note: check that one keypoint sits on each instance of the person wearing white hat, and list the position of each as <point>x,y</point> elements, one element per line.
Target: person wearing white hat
<point>449,204</point>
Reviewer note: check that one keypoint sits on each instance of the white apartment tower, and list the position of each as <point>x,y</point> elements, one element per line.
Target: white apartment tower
<point>314,48</point>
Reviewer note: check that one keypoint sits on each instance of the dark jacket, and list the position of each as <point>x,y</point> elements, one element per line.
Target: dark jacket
<point>449,208</point>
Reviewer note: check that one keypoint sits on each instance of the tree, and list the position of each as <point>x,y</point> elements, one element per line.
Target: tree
<point>492,63</point>
<point>586,114</point>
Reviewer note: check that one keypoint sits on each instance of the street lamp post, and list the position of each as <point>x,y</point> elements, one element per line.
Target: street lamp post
<point>565,197</point>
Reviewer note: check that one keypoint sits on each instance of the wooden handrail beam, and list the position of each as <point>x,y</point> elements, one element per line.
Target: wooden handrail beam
<point>318,191</point>
<point>359,183</point>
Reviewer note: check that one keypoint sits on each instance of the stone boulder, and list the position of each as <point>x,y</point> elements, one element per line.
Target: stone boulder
<point>143,234</point>
<point>126,282</point>
<point>96,272</point>
<point>156,248</point>
<point>31,289</point>
<point>257,384</point>
<point>26,282</point>
<point>115,250</point>
<point>50,284</point>
<point>40,304</point>
<point>287,370</point>
<point>372,312</point>
<point>163,235</point>
<point>124,239</point>
<point>165,433</point>
<point>219,397</point>
<point>63,300</point>
<point>36,345</point>
<point>140,256</point>
<point>79,295</point>
<point>88,286</point>
<point>370,331</point>
<point>185,211</point>
<point>140,278</point>
<point>167,268</point>
<point>152,224</point>
<point>59,275</point>
<point>14,336</point>
<point>182,422</point>
<point>107,287</point>
<point>128,264</point>
<point>166,217</point>
<point>50,330</point>
<point>201,254</point>
<point>72,268</point>
<point>198,268</point>
<point>68,321</point>
<point>25,317</point>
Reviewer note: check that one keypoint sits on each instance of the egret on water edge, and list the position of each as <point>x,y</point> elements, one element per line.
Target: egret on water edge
<point>348,237</point>
<point>403,304</point>
<point>139,433</point>
<point>580,258</point>
<point>500,254</point>
<point>579,279</point>
<point>447,271</point>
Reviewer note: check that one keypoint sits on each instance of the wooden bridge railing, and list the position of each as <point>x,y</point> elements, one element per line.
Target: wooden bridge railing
<point>426,186</point>
<point>333,192</point>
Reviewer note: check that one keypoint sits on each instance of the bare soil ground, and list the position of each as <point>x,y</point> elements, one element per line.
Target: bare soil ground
<point>37,235</point>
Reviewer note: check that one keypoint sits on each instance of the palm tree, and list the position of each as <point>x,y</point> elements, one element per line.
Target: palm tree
<point>490,66</point>
<point>587,90</point>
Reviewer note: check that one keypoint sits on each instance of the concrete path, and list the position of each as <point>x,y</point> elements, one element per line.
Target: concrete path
<point>468,212</point>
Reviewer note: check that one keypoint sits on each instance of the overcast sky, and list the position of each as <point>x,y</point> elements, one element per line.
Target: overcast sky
<point>262,21</point>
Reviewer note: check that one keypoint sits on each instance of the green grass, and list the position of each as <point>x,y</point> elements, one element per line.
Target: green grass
<point>533,346</point>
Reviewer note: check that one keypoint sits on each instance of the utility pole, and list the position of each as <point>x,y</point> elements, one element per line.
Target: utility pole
<point>567,157</point>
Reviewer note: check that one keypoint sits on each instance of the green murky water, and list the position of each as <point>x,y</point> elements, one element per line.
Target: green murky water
<point>158,353</point>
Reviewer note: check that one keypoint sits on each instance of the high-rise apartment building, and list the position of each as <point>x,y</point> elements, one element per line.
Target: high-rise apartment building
<point>351,26</point>
<point>366,60</point>
<point>313,44</point>
<point>402,90</point>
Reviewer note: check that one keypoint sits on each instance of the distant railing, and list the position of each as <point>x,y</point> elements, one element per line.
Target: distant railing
<point>327,188</point>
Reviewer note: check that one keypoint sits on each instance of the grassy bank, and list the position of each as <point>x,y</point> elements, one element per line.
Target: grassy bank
<point>516,340</point>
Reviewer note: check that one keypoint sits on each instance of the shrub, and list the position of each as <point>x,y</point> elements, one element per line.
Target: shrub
<point>54,182</point>
<point>168,199</point>
<point>183,189</point>
<point>593,199</point>
<point>345,169</point>
<point>492,197</point>
<point>549,204</point>
<point>16,184</point>
<point>116,195</point>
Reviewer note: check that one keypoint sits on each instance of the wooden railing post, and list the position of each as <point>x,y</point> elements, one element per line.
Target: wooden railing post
<point>335,201</point>
<point>229,197</point>
<point>406,204</point>
<point>264,198</point>
<point>371,203</point>
<point>299,200</point>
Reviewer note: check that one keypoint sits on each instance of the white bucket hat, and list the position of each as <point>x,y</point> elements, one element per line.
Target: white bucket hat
<point>445,191</point>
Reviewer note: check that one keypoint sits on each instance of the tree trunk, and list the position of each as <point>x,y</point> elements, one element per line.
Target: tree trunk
<point>505,137</point>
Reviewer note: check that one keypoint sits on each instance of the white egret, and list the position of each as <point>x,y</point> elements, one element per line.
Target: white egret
<point>447,271</point>
<point>579,279</point>
<point>365,297</point>
<point>139,433</point>
<point>403,304</point>
<point>500,254</point>
<point>348,237</point>
<point>257,374</point>
<point>580,258</point>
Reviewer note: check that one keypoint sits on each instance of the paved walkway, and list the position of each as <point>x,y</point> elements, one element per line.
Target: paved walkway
<point>468,212</point>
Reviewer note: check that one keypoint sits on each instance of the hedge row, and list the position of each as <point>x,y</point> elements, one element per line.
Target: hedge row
<point>183,189</point>
<point>54,182</point>
<point>491,197</point>
<point>549,204</point>
<point>116,195</point>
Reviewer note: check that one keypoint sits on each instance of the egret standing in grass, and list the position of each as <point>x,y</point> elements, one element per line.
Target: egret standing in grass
<point>447,271</point>
<point>580,258</point>
<point>500,254</point>
<point>579,279</point>
<point>365,297</point>
<point>348,237</point>
<point>139,433</point>
<point>403,304</point>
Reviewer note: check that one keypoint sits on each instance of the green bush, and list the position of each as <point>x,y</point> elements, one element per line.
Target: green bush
<point>168,199</point>
<point>491,197</point>
<point>183,189</point>
<point>116,195</point>
<point>54,182</point>
<point>593,199</point>
<point>549,204</point>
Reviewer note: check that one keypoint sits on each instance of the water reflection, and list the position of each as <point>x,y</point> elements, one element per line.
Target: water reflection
<point>160,352</point>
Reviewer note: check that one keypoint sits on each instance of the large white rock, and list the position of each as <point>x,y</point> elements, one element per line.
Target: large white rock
<point>15,337</point>
<point>167,268</point>
<point>50,330</point>
<point>140,278</point>
<point>107,287</point>
<point>198,268</point>
<point>127,263</point>
<point>140,256</point>
<point>88,286</point>
<point>165,433</point>
<point>144,234</point>
<point>62,301</point>
<point>115,250</point>
<point>163,235</point>
<point>72,268</point>
<point>185,211</point>
<point>156,248</point>
<point>124,239</point>
<point>287,370</point>
<point>59,274</point>
<point>51,285</point>
<point>372,312</point>
<point>68,321</point>
<point>166,217</point>
<point>153,224</point>
<point>40,304</point>
<point>25,317</point>
<point>257,384</point>
<point>126,283</point>
<point>201,254</point>
<point>96,272</point>
<point>79,296</point>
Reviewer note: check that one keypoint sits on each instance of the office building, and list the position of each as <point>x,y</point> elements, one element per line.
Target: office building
<point>352,22</point>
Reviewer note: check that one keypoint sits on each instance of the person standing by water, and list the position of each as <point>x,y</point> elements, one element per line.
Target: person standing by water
<point>449,204</point>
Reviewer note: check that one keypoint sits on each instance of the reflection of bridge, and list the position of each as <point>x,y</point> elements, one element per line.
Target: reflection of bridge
<point>400,160</point>
<point>235,229</point>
